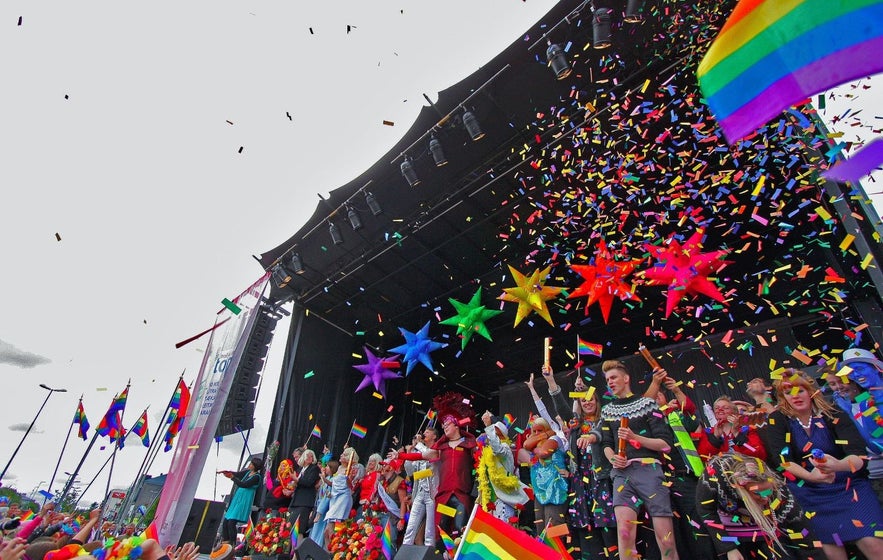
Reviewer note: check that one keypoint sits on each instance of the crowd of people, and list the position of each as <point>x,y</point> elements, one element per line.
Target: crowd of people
<point>795,471</point>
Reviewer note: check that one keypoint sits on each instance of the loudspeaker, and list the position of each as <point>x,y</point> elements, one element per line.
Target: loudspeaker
<point>308,549</point>
<point>416,552</point>
<point>202,524</point>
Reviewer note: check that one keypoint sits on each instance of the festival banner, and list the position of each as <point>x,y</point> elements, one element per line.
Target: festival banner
<point>210,392</point>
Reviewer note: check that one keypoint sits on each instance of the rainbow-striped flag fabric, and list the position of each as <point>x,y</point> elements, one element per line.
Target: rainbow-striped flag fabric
<point>317,432</point>
<point>386,544</point>
<point>487,537</point>
<point>586,348</point>
<point>446,540</point>
<point>556,544</point>
<point>151,532</point>
<point>80,418</point>
<point>359,431</point>
<point>140,429</point>
<point>771,54</point>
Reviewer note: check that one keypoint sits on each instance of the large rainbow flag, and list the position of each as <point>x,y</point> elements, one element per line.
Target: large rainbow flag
<point>772,54</point>
<point>487,537</point>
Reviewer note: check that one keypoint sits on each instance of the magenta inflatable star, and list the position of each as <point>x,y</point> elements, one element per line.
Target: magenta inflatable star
<point>375,372</point>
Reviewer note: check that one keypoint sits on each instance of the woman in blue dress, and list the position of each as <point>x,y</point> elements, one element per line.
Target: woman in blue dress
<point>822,455</point>
<point>323,502</point>
<point>341,494</point>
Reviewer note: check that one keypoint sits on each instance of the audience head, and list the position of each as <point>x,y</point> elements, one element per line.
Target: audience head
<point>798,393</point>
<point>617,377</point>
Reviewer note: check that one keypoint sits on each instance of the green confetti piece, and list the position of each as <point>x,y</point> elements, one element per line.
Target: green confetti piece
<point>309,374</point>
<point>234,309</point>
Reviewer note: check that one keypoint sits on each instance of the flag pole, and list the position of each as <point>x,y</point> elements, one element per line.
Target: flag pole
<point>60,455</point>
<point>466,531</point>
<point>116,445</point>
<point>73,476</point>
<point>137,483</point>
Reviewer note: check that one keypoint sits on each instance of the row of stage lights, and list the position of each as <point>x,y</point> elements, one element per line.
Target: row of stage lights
<point>557,62</point>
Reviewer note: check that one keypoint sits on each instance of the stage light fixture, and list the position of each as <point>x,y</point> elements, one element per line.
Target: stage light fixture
<point>557,61</point>
<point>408,172</point>
<point>633,11</point>
<point>373,205</point>
<point>334,231</point>
<point>438,154</point>
<point>353,218</point>
<point>281,276</point>
<point>472,126</point>
<point>295,264</point>
<point>601,35</point>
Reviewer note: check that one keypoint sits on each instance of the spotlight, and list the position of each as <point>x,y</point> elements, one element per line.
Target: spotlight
<point>353,217</point>
<point>435,148</point>
<point>334,231</point>
<point>601,37</point>
<point>472,126</point>
<point>409,173</point>
<point>557,61</point>
<point>281,276</point>
<point>632,11</point>
<point>373,205</point>
<point>295,264</point>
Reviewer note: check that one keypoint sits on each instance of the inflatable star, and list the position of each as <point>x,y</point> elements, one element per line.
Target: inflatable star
<point>530,294</point>
<point>417,348</point>
<point>470,318</point>
<point>684,270</point>
<point>375,372</point>
<point>605,280</point>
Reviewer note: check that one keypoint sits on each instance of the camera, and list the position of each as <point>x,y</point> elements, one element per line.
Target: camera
<point>10,524</point>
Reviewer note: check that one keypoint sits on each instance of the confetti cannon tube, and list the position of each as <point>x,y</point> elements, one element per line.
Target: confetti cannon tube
<point>623,423</point>
<point>648,356</point>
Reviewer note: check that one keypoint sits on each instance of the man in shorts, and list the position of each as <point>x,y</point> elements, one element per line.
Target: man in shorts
<point>637,471</point>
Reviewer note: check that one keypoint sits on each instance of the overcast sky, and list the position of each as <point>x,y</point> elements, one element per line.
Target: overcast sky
<point>167,143</point>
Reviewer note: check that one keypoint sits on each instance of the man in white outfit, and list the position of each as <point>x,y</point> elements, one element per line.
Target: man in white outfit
<point>423,491</point>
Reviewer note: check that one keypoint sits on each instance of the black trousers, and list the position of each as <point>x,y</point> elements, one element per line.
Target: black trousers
<point>228,531</point>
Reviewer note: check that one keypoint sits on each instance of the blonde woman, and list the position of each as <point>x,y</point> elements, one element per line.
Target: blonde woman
<point>822,452</point>
<point>341,501</point>
<point>750,512</point>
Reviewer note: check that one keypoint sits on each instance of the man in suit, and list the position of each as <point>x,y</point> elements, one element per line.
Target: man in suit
<point>304,498</point>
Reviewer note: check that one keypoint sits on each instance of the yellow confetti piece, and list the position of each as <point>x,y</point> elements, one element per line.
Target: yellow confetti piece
<point>385,422</point>
<point>446,510</point>
<point>822,213</point>
<point>421,474</point>
<point>866,261</point>
<point>377,395</point>
<point>847,241</point>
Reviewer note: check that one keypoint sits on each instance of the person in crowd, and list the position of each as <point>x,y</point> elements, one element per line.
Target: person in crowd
<point>634,449</point>
<point>499,489</point>
<point>342,485</point>
<point>728,434</point>
<point>366,482</point>
<point>239,510</point>
<point>590,504</point>
<point>303,499</point>
<point>820,451</point>
<point>751,513</point>
<point>392,497</point>
<point>281,486</point>
<point>453,452</point>
<point>323,501</point>
<point>548,475</point>
<point>423,489</point>
<point>684,465</point>
<point>761,395</point>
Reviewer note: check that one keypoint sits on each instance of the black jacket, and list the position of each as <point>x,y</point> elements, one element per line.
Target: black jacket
<point>305,491</point>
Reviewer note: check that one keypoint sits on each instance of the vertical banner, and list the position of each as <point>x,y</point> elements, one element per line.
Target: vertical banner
<point>209,397</point>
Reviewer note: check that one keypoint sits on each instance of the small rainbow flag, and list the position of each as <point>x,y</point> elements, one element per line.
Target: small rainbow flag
<point>317,432</point>
<point>27,516</point>
<point>584,348</point>
<point>249,529</point>
<point>80,418</point>
<point>509,420</point>
<point>150,532</point>
<point>140,429</point>
<point>359,431</point>
<point>295,533</point>
<point>386,545</point>
<point>446,540</point>
<point>555,543</point>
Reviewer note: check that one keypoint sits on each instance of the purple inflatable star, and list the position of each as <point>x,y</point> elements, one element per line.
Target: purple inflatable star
<point>375,372</point>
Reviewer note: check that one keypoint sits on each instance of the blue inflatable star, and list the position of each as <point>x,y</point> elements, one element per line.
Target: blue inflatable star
<point>375,372</point>
<point>417,347</point>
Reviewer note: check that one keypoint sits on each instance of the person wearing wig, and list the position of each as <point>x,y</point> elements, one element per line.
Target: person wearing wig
<point>750,512</point>
<point>341,495</point>
<point>499,489</point>
<point>821,453</point>
<point>729,433</point>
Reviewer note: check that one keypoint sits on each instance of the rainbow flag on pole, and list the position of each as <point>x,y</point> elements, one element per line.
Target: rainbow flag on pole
<point>359,431</point>
<point>771,54</point>
<point>140,429</point>
<point>487,537</point>
<point>317,432</point>
<point>585,348</point>
<point>386,544</point>
<point>80,419</point>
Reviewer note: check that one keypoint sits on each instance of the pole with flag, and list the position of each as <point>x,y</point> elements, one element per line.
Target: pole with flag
<point>80,420</point>
<point>117,437</point>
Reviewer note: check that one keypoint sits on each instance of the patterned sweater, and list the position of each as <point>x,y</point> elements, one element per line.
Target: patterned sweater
<point>645,419</point>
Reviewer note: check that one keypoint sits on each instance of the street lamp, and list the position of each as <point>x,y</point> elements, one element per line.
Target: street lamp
<point>34,421</point>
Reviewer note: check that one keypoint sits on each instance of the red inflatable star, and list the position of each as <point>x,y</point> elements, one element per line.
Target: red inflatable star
<point>684,269</point>
<point>605,280</point>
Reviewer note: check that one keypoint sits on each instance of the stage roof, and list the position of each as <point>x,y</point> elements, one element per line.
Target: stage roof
<point>623,150</point>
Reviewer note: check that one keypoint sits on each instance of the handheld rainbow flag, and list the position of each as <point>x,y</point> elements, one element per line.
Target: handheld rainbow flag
<point>585,348</point>
<point>27,516</point>
<point>488,537</point>
<point>249,529</point>
<point>386,545</point>
<point>317,432</point>
<point>295,533</point>
<point>140,429</point>
<point>446,540</point>
<point>771,54</point>
<point>80,418</point>
<point>151,532</point>
<point>553,540</point>
<point>359,431</point>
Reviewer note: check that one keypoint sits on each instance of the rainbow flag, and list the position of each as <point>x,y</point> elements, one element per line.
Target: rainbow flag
<point>295,533</point>
<point>27,516</point>
<point>317,432</point>
<point>179,403</point>
<point>446,540</point>
<point>359,431</point>
<point>556,544</point>
<point>771,54</point>
<point>509,420</point>
<point>584,348</point>
<point>140,429</point>
<point>386,545</point>
<point>80,418</point>
<point>150,532</point>
<point>488,537</point>
<point>249,529</point>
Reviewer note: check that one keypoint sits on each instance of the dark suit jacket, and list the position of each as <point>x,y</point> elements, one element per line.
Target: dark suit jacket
<point>305,492</point>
